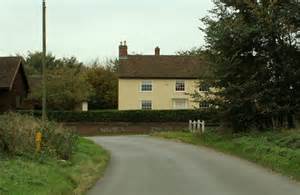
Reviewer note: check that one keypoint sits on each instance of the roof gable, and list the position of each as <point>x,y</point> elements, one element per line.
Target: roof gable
<point>162,66</point>
<point>9,68</point>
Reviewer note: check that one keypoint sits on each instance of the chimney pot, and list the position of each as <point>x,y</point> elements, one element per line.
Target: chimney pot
<point>157,51</point>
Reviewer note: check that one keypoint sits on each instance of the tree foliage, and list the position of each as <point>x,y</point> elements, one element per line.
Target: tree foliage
<point>104,81</point>
<point>67,88</point>
<point>66,82</point>
<point>70,82</point>
<point>255,51</point>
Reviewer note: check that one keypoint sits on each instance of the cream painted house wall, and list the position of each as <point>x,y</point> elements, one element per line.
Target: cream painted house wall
<point>163,94</point>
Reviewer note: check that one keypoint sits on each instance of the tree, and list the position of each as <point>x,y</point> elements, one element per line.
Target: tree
<point>67,88</point>
<point>33,61</point>
<point>104,80</point>
<point>66,81</point>
<point>192,52</point>
<point>253,46</point>
<point>70,82</point>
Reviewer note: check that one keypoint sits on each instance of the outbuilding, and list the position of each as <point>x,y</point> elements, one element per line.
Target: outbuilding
<point>14,86</point>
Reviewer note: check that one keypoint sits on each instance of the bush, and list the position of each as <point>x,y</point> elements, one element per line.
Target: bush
<point>17,137</point>
<point>130,116</point>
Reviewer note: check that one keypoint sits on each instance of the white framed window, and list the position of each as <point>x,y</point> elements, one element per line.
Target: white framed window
<point>146,105</point>
<point>203,104</point>
<point>146,86</point>
<point>180,104</point>
<point>180,86</point>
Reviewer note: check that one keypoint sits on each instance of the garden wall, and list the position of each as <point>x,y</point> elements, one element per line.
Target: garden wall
<point>102,128</point>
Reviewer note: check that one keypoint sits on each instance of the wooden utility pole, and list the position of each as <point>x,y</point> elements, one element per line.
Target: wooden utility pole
<point>44,103</point>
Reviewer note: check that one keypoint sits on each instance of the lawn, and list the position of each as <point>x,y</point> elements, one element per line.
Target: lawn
<point>19,175</point>
<point>279,151</point>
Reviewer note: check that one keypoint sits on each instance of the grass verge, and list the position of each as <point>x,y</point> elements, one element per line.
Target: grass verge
<point>279,151</point>
<point>48,176</point>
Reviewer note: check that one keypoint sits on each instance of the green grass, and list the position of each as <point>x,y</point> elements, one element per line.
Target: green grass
<point>279,151</point>
<point>21,176</point>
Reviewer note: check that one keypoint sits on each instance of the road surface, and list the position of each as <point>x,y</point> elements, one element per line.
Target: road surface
<point>143,165</point>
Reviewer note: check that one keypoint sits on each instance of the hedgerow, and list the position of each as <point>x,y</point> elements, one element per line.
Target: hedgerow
<point>129,116</point>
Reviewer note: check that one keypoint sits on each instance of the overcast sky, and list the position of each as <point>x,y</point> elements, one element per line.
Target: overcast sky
<point>90,29</point>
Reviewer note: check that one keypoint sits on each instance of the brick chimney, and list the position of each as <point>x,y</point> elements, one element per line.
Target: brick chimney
<point>157,51</point>
<point>123,50</point>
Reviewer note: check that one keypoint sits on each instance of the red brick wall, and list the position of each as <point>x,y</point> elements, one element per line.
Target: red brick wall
<point>92,129</point>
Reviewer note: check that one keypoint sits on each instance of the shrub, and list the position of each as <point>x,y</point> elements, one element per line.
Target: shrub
<point>130,116</point>
<point>17,137</point>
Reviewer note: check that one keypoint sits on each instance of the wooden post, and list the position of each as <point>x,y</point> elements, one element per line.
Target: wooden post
<point>44,100</point>
<point>190,126</point>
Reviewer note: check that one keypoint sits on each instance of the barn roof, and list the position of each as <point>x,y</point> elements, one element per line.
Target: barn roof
<point>9,67</point>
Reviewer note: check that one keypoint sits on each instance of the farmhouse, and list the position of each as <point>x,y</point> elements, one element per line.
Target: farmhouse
<point>13,83</point>
<point>159,82</point>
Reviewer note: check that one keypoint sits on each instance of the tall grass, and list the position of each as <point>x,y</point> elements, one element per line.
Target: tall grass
<point>277,150</point>
<point>17,137</point>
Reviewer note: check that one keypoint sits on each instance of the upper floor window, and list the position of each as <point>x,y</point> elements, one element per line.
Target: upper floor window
<point>204,87</point>
<point>146,86</point>
<point>180,85</point>
<point>146,105</point>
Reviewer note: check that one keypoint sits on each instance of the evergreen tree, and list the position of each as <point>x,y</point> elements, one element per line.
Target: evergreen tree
<point>253,45</point>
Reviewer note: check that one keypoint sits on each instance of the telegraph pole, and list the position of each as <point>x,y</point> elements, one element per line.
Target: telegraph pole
<point>44,76</point>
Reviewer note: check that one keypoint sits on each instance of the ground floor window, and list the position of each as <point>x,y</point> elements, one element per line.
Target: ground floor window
<point>146,105</point>
<point>180,104</point>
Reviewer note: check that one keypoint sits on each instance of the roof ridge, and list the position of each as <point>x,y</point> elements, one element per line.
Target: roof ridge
<point>137,55</point>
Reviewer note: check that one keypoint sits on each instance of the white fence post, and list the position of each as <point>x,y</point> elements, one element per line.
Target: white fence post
<point>197,126</point>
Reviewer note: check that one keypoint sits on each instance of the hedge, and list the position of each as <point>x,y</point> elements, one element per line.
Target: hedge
<point>129,116</point>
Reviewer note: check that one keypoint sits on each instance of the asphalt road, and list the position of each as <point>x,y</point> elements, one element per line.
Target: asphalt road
<point>142,165</point>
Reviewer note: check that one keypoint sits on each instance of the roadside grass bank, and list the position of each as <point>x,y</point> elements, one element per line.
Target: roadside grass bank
<point>46,158</point>
<point>20,175</point>
<point>277,150</point>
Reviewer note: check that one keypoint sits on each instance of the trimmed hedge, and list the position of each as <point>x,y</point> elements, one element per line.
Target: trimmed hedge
<point>129,116</point>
